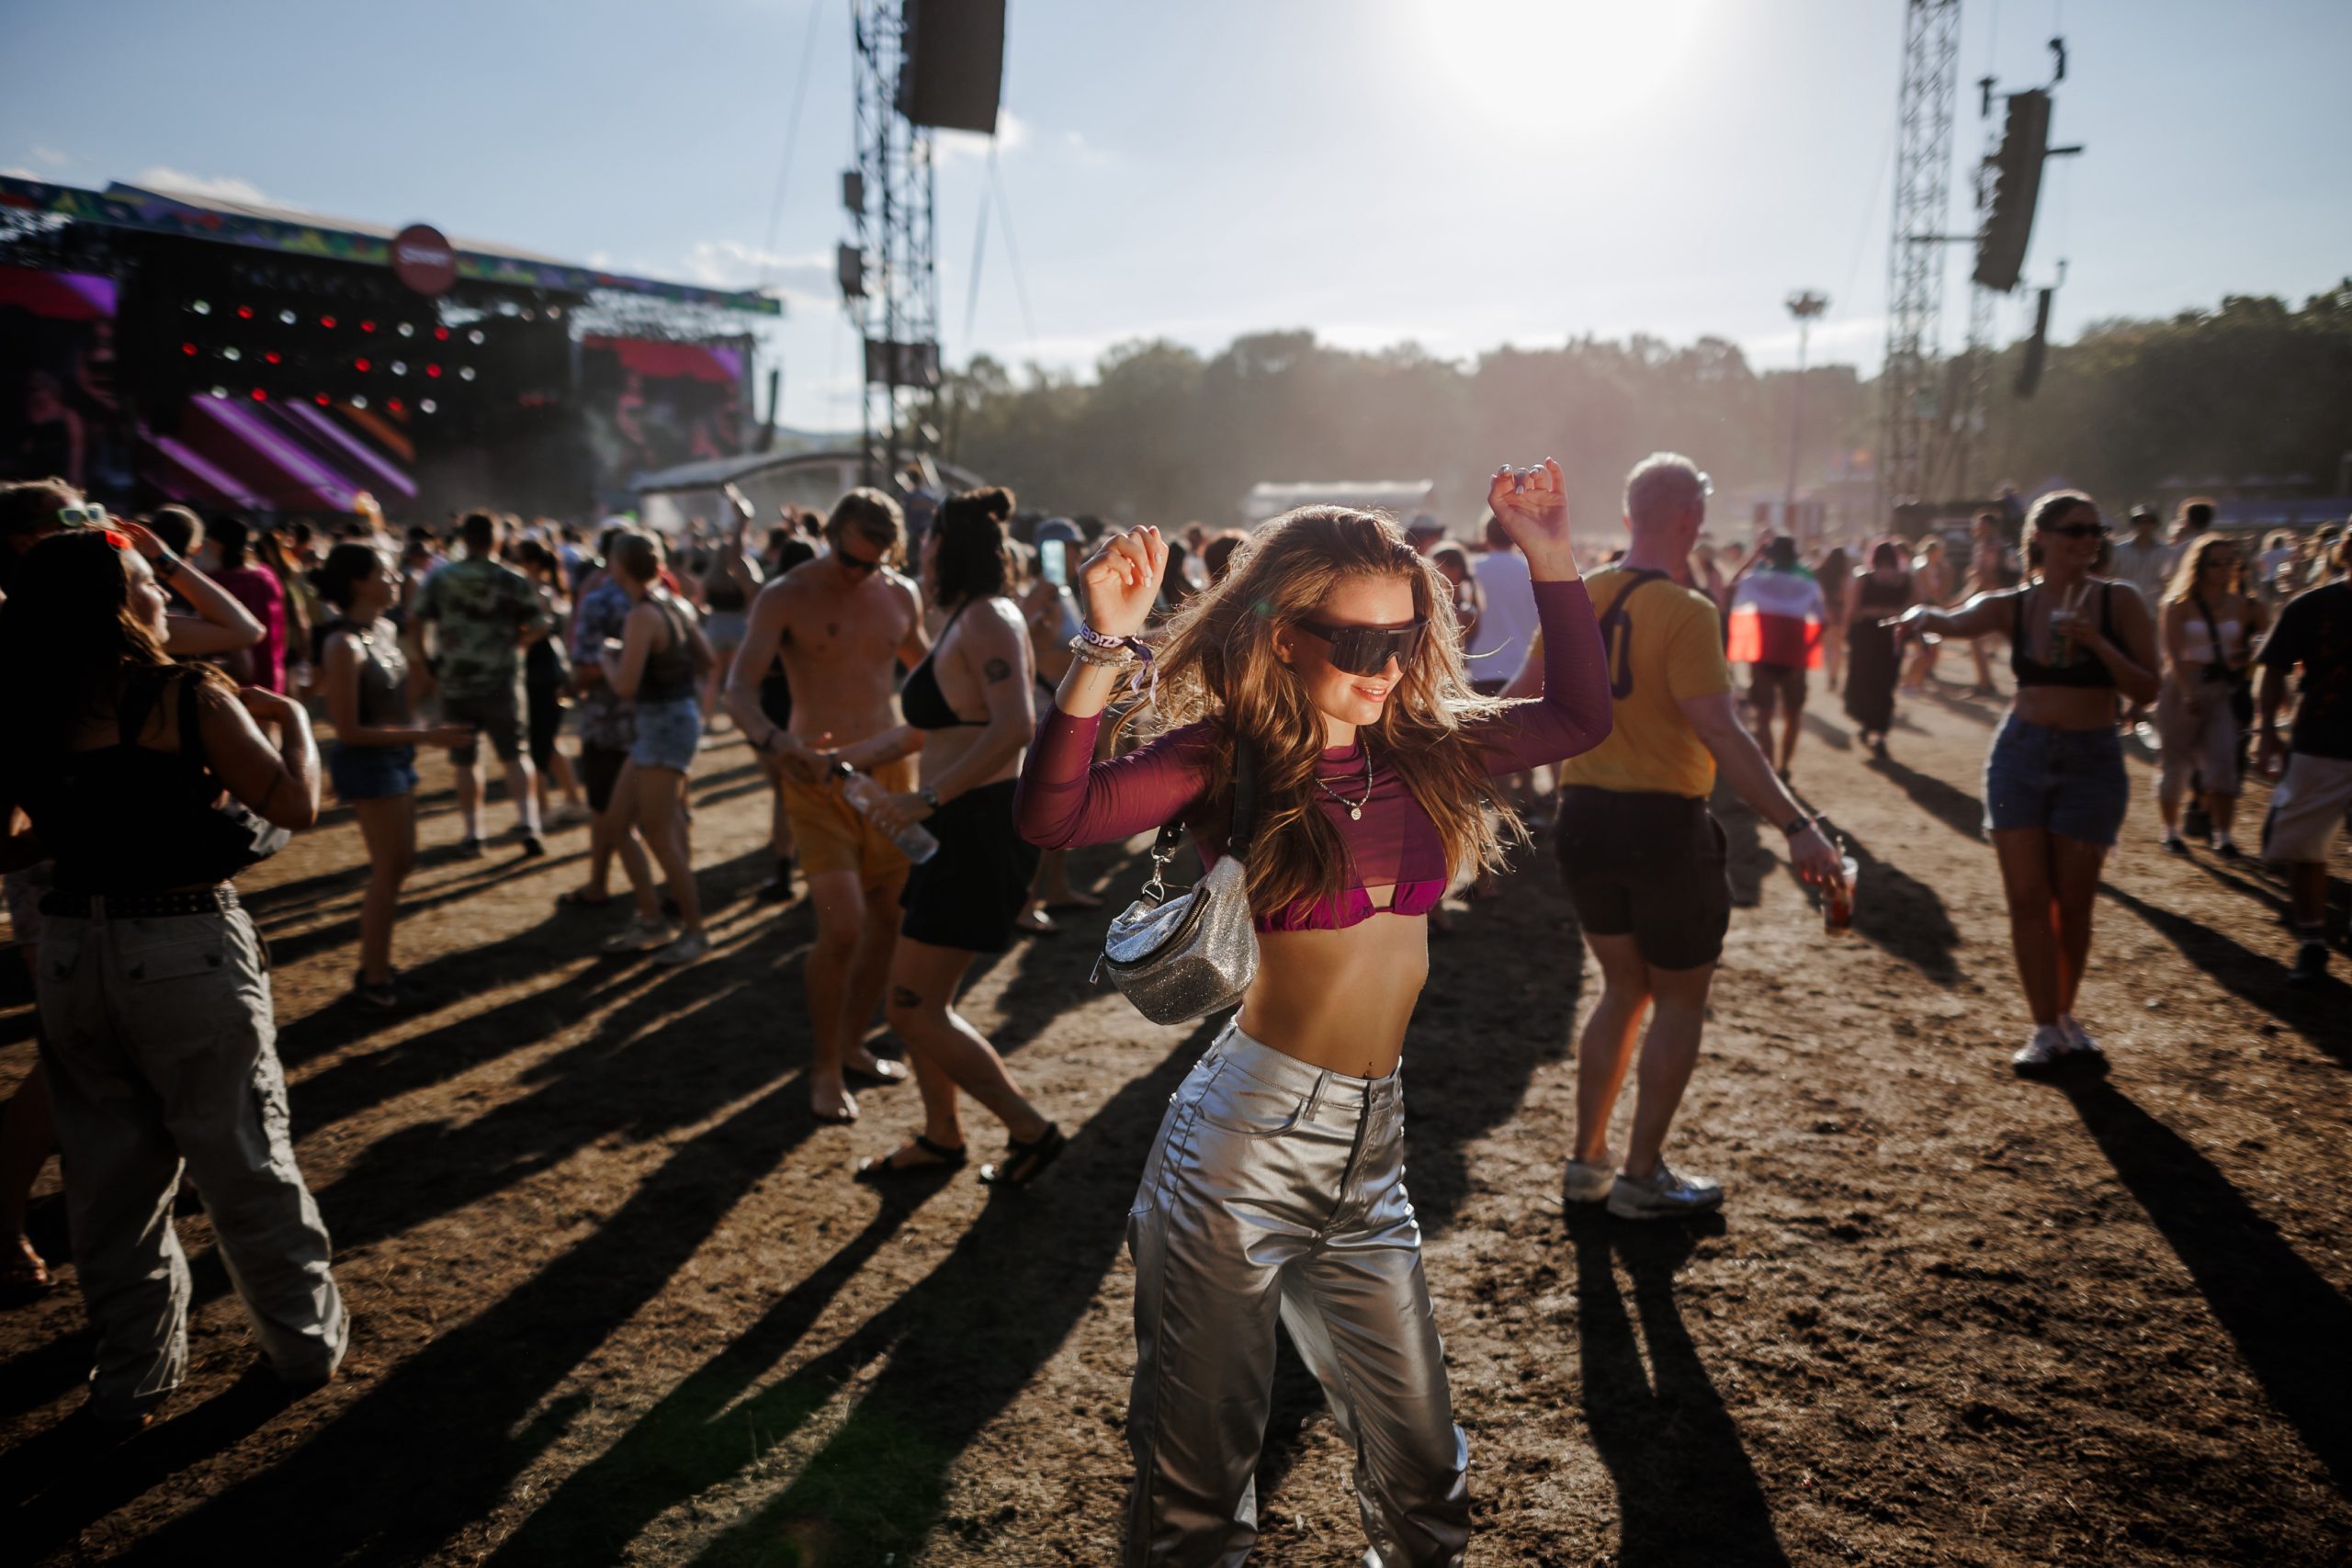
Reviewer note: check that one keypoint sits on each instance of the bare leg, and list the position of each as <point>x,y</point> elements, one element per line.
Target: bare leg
<point>2024,859</point>
<point>566,780</point>
<point>840,907</point>
<point>659,797</point>
<point>1669,1052</point>
<point>869,971</point>
<point>468,782</point>
<point>2074,875</point>
<point>947,1051</point>
<point>1607,1048</point>
<point>523,789</point>
<point>388,828</point>
<point>1791,722</point>
<point>2223,809</point>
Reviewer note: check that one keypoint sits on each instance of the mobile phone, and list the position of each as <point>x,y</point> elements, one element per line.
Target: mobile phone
<point>1053,561</point>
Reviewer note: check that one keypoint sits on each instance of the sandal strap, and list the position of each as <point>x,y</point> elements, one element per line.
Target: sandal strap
<point>945,1154</point>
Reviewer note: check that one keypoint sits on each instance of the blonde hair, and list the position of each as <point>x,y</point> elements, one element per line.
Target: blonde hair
<point>1218,663</point>
<point>2192,563</point>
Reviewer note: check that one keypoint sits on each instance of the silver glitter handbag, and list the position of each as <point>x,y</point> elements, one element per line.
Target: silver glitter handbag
<point>1185,956</point>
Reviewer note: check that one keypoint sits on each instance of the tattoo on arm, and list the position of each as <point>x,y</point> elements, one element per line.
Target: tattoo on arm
<point>904,996</point>
<point>997,671</point>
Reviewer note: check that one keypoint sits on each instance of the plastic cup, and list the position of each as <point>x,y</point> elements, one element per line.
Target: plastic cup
<point>1837,902</point>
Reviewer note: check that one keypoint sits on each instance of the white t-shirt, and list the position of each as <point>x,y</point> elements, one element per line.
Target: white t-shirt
<point>1499,643</point>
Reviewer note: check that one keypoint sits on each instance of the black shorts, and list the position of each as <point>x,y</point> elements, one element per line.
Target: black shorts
<point>600,769</point>
<point>496,716</point>
<point>1776,685</point>
<point>1650,867</point>
<point>775,700</point>
<point>546,721</point>
<point>967,895</point>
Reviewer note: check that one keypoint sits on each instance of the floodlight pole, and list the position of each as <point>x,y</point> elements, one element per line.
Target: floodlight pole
<point>1804,305</point>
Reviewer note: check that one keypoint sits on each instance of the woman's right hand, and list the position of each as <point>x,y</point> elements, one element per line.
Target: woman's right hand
<point>1121,581</point>
<point>449,736</point>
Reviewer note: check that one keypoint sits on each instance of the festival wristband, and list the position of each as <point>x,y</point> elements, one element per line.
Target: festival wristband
<point>1798,826</point>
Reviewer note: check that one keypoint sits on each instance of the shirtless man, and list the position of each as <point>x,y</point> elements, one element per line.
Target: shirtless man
<point>838,622</point>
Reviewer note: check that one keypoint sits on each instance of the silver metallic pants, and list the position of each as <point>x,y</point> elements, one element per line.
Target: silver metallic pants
<point>1278,1187</point>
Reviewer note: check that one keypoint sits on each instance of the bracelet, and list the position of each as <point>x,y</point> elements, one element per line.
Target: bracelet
<point>1107,656</point>
<point>1798,826</point>
<point>1093,639</point>
<point>167,565</point>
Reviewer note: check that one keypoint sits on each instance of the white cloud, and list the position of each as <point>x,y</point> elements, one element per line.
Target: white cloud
<point>1013,133</point>
<point>52,157</point>
<point>802,280</point>
<point>1856,336</point>
<point>202,187</point>
<point>18,171</point>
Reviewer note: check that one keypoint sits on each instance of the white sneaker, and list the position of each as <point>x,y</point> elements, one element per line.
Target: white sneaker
<point>1588,1180</point>
<point>1664,1195</point>
<point>641,935</point>
<point>2078,1038</point>
<point>2043,1051</point>
<point>685,950</point>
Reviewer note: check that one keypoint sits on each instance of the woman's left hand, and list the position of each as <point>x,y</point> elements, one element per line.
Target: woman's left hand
<point>898,811</point>
<point>1532,506</point>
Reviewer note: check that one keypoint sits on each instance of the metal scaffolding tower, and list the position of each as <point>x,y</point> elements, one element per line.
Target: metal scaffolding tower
<point>1915,254</point>
<point>894,298</point>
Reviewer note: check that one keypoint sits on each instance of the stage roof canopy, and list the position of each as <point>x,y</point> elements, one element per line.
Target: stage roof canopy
<point>297,232</point>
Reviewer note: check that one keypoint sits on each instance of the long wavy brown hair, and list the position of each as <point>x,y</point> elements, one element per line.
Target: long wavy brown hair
<point>1217,662</point>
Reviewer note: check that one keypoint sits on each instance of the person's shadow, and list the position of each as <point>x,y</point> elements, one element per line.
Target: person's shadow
<point>1685,1492</point>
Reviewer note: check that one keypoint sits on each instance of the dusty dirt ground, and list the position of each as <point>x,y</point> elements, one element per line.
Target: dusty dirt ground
<point>618,1302</point>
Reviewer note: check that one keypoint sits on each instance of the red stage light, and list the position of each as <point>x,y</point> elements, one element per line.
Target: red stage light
<point>244,312</point>
<point>360,365</point>
<point>187,348</point>
<point>395,405</point>
<point>271,357</point>
<point>440,335</point>
<point>260,396</point>
<point>433,370</point>
<point>367,326</point>
<point>327,322</point>
<point>322,400</point>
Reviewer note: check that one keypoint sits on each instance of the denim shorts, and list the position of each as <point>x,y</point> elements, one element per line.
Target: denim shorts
<point>2067,781</point>
<point>667,734</point>
<point>371,772</point>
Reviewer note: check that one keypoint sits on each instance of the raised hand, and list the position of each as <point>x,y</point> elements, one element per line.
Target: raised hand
<point>1121,581</point>
<point>1532,506</point>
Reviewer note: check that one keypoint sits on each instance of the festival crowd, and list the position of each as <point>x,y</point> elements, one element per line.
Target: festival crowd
<point>1348,718</point>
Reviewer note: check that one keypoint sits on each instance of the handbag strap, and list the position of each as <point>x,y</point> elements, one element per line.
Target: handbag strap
<point>1245,809</point>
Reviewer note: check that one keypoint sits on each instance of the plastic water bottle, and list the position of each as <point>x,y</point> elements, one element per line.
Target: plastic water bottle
<point>865,794</point>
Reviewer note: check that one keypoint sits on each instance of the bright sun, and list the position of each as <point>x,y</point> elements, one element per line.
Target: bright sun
<point>1610,56</point>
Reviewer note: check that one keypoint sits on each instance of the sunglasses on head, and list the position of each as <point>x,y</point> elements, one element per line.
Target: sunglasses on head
<point>1366,651</point>
<point>2079,530</point>
<point>88,515</point>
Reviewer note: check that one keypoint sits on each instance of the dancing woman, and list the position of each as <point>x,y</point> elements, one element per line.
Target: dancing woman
<point>2055,790</point>
<point>1277,1178</point>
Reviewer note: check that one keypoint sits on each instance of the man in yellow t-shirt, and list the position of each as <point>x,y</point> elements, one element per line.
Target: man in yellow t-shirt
<point>1642,856</point>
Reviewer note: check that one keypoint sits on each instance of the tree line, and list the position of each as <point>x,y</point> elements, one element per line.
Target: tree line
<point>1160,433</point>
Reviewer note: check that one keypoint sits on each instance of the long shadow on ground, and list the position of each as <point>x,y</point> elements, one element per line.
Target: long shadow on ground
<point>1954,808</point>
<point>2318,1015</point>
<point>1686,1491</point>
<point>2289,1322</point>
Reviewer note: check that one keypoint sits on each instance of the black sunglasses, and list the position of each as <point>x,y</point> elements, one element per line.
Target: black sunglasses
<point>1366,651</point>
<point>851,563</point>
<point>2079,530</point>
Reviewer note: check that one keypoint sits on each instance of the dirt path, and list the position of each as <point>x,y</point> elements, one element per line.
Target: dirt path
<point>617,1301</point>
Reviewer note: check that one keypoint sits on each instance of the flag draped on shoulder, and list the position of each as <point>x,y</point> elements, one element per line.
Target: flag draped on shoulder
<point>1776,618</point>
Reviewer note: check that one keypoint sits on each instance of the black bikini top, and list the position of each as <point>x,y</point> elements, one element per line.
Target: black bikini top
<point>921,699</point>
<point>2086,670</point>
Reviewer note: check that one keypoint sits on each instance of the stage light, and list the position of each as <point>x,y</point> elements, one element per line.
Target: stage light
<point>244,312</point>
<point>400,366</point>
<point>367,326</point>
<point>394,405</point>
<point>440,335</point>
<point>187,348</point>
<point>327,322</point>
<point>528,314</point>
<point>427,405</point>
<point>200,308</point>
<point>434,371</point>
<point>473,336</point>
<point>362,366</point>
<point>407,329</point>
<point>287,317</point>
<point>466,373</point>
<point>555,312</point>
<point>271,357</point>
<point>231,352</point>
<point>219,391</point>
<point>359,399</point>
<point>322,400</point>
<point>260,396</point>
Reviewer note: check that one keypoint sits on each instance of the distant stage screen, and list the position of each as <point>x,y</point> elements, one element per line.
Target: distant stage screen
<point>650,405</point>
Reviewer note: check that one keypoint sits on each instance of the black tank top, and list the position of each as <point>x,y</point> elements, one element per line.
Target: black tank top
<point>921,700</point>
<point>2089,671</point>
<point>669,673</point>
<point>130,819</point>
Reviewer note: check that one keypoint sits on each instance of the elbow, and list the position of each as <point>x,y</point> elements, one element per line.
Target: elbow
<point>1599,727</point>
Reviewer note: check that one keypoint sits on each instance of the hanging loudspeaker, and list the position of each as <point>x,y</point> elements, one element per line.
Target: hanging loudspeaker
<point>954,64</point>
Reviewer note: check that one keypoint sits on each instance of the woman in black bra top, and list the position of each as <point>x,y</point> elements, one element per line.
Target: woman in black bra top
<point>970,707</point>
<point>142,778</point>
<point>2055,790</point>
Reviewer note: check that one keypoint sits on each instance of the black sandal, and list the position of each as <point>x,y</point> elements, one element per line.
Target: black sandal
<point>1024,1163</point>
<point>882,1167</point>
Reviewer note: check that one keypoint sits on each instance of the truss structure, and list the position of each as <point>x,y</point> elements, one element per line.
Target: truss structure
<point>897,310</point>
<point>1915,415</point>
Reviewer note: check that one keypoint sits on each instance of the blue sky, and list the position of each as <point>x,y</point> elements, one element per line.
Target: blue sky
<point>1460,173</point>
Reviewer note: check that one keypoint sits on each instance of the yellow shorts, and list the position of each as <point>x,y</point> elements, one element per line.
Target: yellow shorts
<point>829,834</point>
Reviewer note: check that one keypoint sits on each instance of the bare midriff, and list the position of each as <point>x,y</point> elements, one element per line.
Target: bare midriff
<point>1340,999</point>
<point>2068,707</point>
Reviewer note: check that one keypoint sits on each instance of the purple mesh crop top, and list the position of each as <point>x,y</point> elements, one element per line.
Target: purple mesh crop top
<point>1068,799</point>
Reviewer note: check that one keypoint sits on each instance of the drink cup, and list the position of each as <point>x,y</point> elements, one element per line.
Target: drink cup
<point>1837,900</point>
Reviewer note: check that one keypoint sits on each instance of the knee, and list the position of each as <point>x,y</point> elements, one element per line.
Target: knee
<point>836,940</point>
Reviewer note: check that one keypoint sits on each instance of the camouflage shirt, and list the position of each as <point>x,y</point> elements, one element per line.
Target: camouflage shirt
<point>480,611</point>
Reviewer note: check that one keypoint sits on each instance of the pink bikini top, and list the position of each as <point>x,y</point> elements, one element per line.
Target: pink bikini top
<point>1067,798</point>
